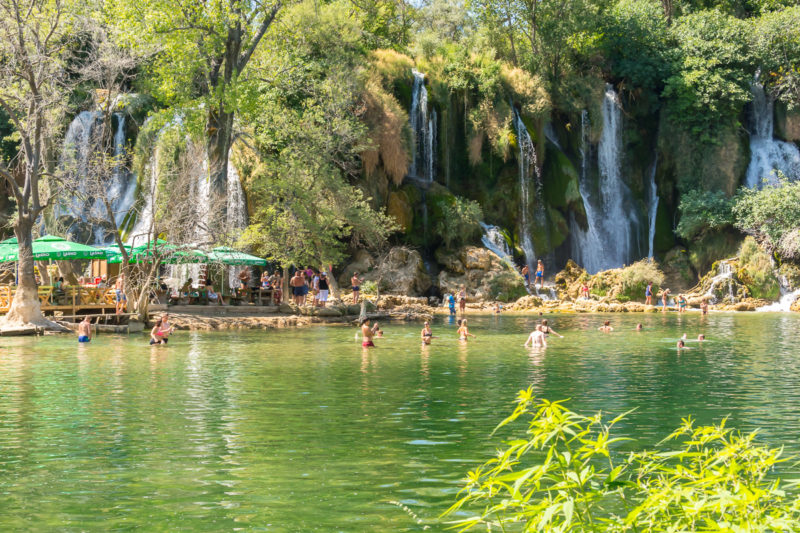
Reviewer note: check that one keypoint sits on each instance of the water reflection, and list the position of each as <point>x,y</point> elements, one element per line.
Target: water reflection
<point>303,430</point>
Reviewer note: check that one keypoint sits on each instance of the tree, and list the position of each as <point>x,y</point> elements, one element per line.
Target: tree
<point>309,133</point>
<point>35,39</point>
<point>201,52</point>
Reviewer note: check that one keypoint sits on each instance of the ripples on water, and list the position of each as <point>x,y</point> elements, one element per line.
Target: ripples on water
<point>300,430</point>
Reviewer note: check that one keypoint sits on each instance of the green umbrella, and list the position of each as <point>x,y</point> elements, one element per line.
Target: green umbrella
<point>170,254</point>
<point>55,248</point>
<point>229,256</point>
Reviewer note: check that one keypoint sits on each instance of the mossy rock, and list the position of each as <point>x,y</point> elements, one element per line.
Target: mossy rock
<point>561,187</point>
<point>559,228</point>
<point>401,209</point>
<point>507,287</point>
<point>712,247</point>
<point>664,238</point>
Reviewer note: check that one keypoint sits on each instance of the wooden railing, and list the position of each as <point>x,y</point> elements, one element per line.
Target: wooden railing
<point>70,297</point>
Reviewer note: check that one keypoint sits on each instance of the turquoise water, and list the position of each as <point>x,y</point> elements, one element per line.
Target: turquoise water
<point>301,430</point>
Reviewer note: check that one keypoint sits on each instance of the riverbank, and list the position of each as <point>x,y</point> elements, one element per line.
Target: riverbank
<point>397,308</point>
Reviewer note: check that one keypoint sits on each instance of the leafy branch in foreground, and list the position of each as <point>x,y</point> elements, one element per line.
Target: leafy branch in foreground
<point>562,476</point>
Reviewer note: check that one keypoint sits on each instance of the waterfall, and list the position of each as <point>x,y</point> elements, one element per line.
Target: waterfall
<point>526,159</point>
<point>724,275</point>
<point>237,207</point>
<point>550,135</point>
<point>423,124</point>
<point>768,154</point>
<point>494,240</point>
<point>81,140</point>
<point>612,225</point>
<point>788,297</point>
<point>652,208</point>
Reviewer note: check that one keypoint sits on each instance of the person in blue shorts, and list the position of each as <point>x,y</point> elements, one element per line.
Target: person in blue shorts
<point>540,273</point>
<point>451,303</point>
<point>85,330</point>
<point>648,294</point>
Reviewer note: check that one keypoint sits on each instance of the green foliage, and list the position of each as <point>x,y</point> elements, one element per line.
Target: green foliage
<point>757,271</point>
<point>507,287</point>
<point>562,474</point>
<point>628,283</point>
<point>772,215</point>
<point>636,43</point>
<point>775,40</point>
<point>712,72</point>
<point>459,223</point>
<point>703,212</point>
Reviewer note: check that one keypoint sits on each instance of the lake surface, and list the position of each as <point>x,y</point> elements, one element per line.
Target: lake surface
<point>301,430</point>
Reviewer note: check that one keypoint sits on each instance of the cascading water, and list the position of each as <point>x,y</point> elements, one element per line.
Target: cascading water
<point>494,240</point>
<point>423,124</point>
<point>608,241</point>
<point>652,209</point>
<point>788,297</point>
<point>724,276</point>
<point>767,153</point>
<point>526,159</point>
<point>80,141</point>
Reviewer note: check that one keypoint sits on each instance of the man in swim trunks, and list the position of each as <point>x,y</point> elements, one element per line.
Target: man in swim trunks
<point>526,273</point>
<point>540,273</point>
<point>355,282</point>
<point>85,330</point>
<point>366,334</point>
<point>537,338</point>
<point>297,284</point>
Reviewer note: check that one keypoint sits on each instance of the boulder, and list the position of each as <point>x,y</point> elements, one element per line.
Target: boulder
<point>289,309</point>
<point>526,302</point>
<point>449,261</point>
<point>329,312</point>
<point>401,271</point>
<point>484,275</point>
<point>361,263</point>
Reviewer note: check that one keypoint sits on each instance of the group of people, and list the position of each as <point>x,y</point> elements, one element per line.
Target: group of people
<point>680,301</point>
<point>305,282</point>
<point>526,273</point>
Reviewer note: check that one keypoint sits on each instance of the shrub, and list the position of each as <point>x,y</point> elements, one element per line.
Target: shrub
<point>703,212</point>
<point>771,215</point>
<point>507,287</point>
<point>459,222</point>
<point>561,475</point>
<point>757,271</point>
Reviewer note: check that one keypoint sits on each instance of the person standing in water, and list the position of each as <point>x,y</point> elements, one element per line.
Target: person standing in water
<point>606,327</point>
<point>451,303</point>
<point>526,273</point>
<point>161,331</point>
<point>547,330</point>
<point>540,273</point>
<point>463,332</point>
<point>366,334</point>
<point>664,300</point>
<point>462,300</point>
<point>704,306</point>
<point>681,303</point>
<point>537,338</point>
<point>427,334</point>
<point>85,329</point>
<point>648,294</point>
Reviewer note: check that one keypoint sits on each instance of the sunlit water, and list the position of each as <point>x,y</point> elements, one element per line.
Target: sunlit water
<point>301,430</point>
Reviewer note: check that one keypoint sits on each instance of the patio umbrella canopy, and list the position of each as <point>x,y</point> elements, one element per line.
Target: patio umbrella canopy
<point>55,248</point>
<point>229,256</point>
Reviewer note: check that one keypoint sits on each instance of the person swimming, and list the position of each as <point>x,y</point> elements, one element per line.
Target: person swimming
<point>377,331</point>
<point>161,331</point>
<point>547,330</point>
<point>463,332</point>
<point>639,327</point>
<point>682,345</point>
<point>537,338</point>
<point>606,327</point>
<point>701,337</point>
<point>427,334</point>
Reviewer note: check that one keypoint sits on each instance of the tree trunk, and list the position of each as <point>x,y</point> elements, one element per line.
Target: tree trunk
<point>25,307</point>
<point>287,296</point>
<point>44,274</point>
<point>219,128</point>
<point>66,269</point>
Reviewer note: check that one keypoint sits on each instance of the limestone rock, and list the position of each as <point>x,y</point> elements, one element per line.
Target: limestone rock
<point>484,275</point>
<point>449,261</point>
<point>361,263</point>
<point>329,311</point>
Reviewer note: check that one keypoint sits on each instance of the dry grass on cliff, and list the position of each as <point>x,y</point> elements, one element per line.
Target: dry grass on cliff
<point>387,122</point>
